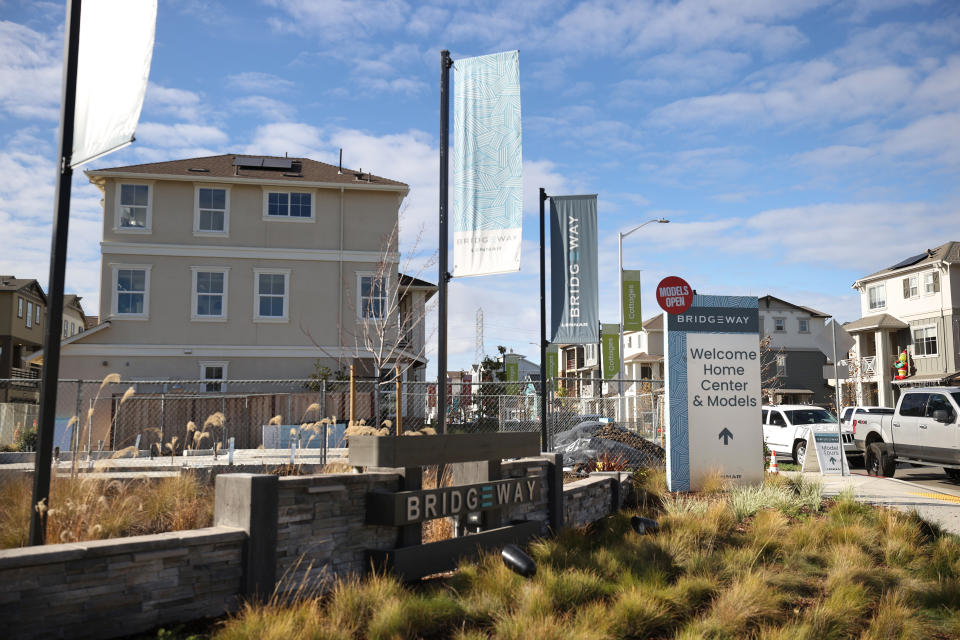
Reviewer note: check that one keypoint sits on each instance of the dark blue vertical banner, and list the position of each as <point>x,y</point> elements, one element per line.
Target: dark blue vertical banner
<point>575,309</point>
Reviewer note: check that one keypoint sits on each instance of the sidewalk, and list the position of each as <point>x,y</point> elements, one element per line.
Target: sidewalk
<point>933,505</point>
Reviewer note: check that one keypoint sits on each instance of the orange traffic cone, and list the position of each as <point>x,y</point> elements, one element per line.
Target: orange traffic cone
<point>773,463</point>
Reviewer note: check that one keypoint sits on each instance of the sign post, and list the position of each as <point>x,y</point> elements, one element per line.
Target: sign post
<point>713,381</point>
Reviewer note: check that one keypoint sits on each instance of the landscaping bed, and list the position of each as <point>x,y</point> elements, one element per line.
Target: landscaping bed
<point>772,561</point>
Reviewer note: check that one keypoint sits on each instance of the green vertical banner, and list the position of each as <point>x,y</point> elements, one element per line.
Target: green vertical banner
<point>511,366</point>
<point>553,364</point>
<point>610,344</point>
<point>632,317</point>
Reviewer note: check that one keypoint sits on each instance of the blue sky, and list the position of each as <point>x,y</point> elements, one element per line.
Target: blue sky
<point>794,145</point>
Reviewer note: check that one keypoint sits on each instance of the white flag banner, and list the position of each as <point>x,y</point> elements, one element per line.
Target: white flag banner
<point>113,64</point>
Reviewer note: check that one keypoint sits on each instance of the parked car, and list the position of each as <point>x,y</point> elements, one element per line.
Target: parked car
<point>786,427</point>
<point>922,430</point>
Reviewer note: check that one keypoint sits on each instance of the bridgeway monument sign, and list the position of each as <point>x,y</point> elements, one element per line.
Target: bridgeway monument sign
<point>713,381</point>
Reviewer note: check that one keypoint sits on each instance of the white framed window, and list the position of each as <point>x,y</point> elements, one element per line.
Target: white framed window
<point>208,300</point>
<point>780,324</point>
<point>29,314</point>
<point>804,325</point>
<point>288,205</point>
<point>134,207</point>
<point>781,365</point>
<point>211,211</point>
<point>911,287</point>
<point>925,341</point>
<point>214,374</point>
<point>371,296</point>
<point>271,295</point>
<point>36,311</point>
<point>877,296</point>
<point>19,307</point>
<point>73,329</point>
<point>931,282</point>
<point>66,328</point>
<point>131,290</point>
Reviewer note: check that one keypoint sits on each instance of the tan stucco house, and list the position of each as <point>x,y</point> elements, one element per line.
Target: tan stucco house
<point>243,267</point>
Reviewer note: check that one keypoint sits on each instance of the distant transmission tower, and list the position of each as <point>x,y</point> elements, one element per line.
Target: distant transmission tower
<point>478,350</point>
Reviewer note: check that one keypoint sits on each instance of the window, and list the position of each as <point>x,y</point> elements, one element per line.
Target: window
<point>36,311</point>
<point>804,325</point>
<point>629,342</point>
<point>29,314</point>
<point>913,405</point>
<point>925,341</point>
<point>781,365</point>
<point>293,205</point>
<point>779,324</point>
<point>372,303</point>
<point>931,282</point>
<point>777,419</point>
<point>215,373</point>
<point>646,371</point>
<point>66,327</point>
<point>211,212</point>
<point>877,294</point>
<point>131,285</point>
<point>911,288</point>
<point>939,402</point>
<point>209,293</point>
<point>19,307</point>
<point>73,328</point>
<point>271,294</point>
<point>133,212</point>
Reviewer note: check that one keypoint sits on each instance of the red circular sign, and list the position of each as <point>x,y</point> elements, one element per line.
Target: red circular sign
<point>674,294</point>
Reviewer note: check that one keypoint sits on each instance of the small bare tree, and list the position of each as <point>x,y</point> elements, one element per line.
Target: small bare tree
<point>770,380</point>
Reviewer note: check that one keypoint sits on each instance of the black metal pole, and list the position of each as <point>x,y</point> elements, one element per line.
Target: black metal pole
<point>445,64</point>
<point>543,327</point>
<point>55,284</point>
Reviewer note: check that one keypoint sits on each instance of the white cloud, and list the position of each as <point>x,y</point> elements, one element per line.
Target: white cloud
<point>30,72</point>
<point>340,20</point>
<point>179,135</point>
<point>259,81</point>
<point>179,103</point>
<point>265,108</point>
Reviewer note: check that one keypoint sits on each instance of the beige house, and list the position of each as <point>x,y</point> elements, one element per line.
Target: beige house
<point>913,305</point>
<point>23,309</point>
<point>247,267</point>
<point>74,319</point>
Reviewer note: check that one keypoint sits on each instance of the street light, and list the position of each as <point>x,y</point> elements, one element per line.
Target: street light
<point>620,237</point>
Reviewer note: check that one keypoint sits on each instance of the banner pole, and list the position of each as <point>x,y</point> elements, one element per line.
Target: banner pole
<point>55,285</point>
<point>543,326</point>
<point>445,64</point>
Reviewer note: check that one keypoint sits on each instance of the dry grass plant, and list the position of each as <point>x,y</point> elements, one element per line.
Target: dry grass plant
<point>765,563</point>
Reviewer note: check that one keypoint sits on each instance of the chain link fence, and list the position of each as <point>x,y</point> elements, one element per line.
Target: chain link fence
<point>589,420</point>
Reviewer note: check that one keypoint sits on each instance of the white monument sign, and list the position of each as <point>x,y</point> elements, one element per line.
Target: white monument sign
<point>713,380</point>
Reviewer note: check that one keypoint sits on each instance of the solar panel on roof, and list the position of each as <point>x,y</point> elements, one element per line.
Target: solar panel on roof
<point>247,161</point>
<point>277,163</point>
<point>909,261</point>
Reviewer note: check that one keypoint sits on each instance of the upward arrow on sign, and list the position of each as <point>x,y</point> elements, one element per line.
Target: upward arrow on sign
<point>726,436</point>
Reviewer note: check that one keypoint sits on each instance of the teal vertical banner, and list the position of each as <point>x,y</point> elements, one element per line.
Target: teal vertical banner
<point>487,165</point>
<point>574,284</point>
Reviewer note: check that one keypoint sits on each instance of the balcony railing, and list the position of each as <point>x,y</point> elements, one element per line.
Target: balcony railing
<point>25,376</point>
<point>867,366</point>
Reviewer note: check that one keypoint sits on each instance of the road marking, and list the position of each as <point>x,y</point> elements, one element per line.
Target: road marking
<point>938,496</point>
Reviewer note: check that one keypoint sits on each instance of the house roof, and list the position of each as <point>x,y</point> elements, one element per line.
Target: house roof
<point>878,321</point>
<point>947,252</point>
<point>223,166</point>
<point>643,357</point>
<point>811,311</point>
<point>73,300</point>
<point>12,283</point>
<point>410,283</point>
<point>37,356</point>
<point>91,321</point>
<point>654,324</point>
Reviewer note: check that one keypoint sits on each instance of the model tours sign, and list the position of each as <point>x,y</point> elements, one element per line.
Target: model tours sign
<point>713,377</point>
<point>674,295</point>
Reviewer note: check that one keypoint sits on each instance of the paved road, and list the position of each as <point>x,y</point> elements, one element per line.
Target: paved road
<point>929,477</point>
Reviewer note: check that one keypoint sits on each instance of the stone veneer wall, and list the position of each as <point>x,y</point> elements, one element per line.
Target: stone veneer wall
<point>109,588</point>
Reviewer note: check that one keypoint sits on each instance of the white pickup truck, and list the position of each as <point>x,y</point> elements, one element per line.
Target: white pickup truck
<point>786,426</point>
<point>923,430</point>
